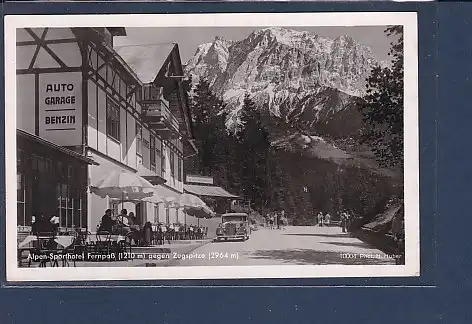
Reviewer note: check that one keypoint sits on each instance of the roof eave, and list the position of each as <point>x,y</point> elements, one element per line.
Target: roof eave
<point>59,148</point>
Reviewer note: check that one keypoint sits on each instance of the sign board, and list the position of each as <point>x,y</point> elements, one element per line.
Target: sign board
<point>60,108</point>
<point>199,179</point>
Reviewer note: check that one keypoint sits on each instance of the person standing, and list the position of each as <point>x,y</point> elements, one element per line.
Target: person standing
<point>34,225</point>
<point>191,232</point>
<point>320,219</point>
<point>172,231</point>
<point>54,221</point>
<point>279,220</point>
<point>348,221</point>
<point>343,221</point>
<point>271,221</point>
<point>283,219</point>
<point>327,219</point>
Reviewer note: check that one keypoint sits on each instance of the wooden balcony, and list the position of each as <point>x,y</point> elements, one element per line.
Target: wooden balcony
<point>157,114</point>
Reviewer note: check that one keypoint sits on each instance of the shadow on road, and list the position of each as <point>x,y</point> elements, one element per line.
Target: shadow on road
<point>228,241</point>
<point>321,235</point>
<point>353,244</point>
<point>307,256</point>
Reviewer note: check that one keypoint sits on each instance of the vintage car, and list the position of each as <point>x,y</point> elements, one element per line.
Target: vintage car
<point>233,226</point>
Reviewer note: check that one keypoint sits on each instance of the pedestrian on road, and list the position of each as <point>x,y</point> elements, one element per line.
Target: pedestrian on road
<point>327,219</point>
<point>343,221</point>
<point>320,219</point>
<point>348,221</point>
<point>271,221</point>
<point>283,219</point>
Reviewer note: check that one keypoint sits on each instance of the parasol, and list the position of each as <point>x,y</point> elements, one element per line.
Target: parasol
<point>123,185</point>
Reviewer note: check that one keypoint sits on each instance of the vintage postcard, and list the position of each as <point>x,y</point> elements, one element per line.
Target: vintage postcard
<point>211,146</point>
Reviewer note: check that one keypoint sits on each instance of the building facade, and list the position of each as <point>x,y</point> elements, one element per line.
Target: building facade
<point>76,91</point>
<point>217,198</point>
<point>51,180</point>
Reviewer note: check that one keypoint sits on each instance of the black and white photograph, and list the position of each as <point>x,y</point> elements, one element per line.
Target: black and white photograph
<point>212,146</point>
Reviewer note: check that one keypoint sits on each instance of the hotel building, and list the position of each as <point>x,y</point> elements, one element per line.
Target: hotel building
<point>84,109</point>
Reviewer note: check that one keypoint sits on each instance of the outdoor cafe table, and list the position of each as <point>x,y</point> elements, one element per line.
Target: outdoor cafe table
<point>66,240</point>
<point>63,240</point>
<point>93,237</point>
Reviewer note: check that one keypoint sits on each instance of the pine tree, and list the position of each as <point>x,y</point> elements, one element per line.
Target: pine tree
<point>382,106</point>
<point>254,151</point>
<point>209,128</point>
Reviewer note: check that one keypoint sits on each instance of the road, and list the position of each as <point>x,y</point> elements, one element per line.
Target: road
<point>295,245</point>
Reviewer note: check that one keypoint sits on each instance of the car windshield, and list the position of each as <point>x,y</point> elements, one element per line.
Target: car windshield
<point>233,218</point>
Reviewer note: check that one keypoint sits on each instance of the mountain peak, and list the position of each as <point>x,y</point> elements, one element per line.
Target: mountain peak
<point>286,36</point>
<point>345,37</point>
<point>220,39</point>
<point>283,68</point>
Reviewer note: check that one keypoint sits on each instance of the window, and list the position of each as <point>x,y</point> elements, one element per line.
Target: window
<point>113,119</point>
<point>77,218</point>
<point>172,163</point>
<point>70,172</point>
<point>61,170</point>
<point>20,159</point>
<point>20,200</point>
<point>158,160</point>
<point>139,139</point>
<point>152,153</point>
<point>179,166</point>
<point>69,208</point>
<point>139,93</point>
<point>167,215</point>
<point>34,162</point>
<point>163,161</point>
<point>38,163</point>
<point>62,194</point>
<point>49,166</point>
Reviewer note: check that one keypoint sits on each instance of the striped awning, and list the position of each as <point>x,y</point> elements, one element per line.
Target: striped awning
<point>209,191</point>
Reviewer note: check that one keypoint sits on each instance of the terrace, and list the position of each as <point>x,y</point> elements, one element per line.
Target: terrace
<point>156,112</point>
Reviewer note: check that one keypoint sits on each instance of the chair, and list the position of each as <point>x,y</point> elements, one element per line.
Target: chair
<point>45,246</point>
<point>157,235</point>
<point>86,244</point>
<point>126,243</point>
<point>77,247</point>
<point>103,244</point>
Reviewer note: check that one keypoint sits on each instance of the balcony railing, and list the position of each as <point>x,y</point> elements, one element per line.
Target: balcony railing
<point>158,115</point>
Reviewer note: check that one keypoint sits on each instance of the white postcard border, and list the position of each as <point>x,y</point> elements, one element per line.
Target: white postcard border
<point>411,145</point>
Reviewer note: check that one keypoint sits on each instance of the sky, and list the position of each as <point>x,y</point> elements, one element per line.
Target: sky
<point>188,38</point>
